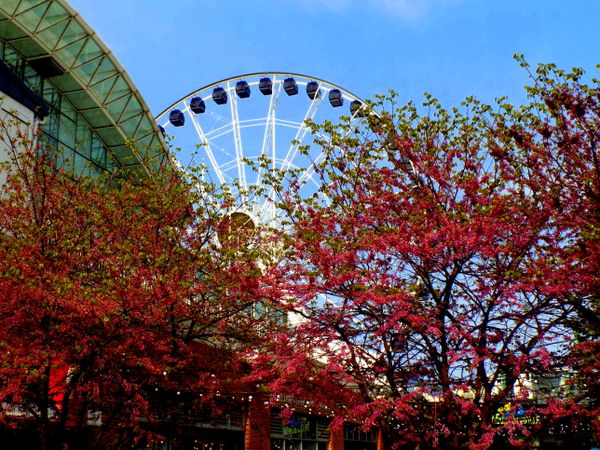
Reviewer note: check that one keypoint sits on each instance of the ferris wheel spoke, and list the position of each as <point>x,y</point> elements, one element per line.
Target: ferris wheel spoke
<point>268,203</point>
<point>310,170</point>
<point>301,133</point>
<point>270,196</point>
<point>208,198</point>
<point>267,209</point>
<point>268,142</point>
<point>207,148</point>
<point>308,173</point>
<point>237,141</point>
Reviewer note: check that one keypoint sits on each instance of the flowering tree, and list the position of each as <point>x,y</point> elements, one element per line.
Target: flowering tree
<point>555,140</point>
<point>118,302</point>
<point>433,276</point>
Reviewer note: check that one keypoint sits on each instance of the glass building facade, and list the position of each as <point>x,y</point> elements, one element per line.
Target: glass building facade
<point>94,117</point>
<point>64,129</point>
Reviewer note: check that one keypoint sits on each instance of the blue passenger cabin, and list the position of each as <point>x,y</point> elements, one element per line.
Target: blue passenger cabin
<point>219,96</point>
<point>176,118</point>
<point>265,85</point>
<point>356,109</point>
<point>290,86</point>
<point>312,90</point>
<point>335,98</point>
<point>242,89</point>
<point>197,105</point>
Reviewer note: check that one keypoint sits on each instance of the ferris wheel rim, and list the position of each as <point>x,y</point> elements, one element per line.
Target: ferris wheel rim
<point>212,85</point>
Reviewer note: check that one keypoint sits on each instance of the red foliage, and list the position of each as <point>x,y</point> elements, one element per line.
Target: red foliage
<point>116,301</point>
<point>446,268</point>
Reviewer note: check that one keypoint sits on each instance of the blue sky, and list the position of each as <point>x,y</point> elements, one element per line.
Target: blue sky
<point>451,48</point>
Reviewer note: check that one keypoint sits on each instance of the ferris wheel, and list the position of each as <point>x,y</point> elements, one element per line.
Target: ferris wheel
<point>245,128</point>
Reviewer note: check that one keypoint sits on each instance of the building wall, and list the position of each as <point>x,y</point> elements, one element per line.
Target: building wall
<point>14,119</point>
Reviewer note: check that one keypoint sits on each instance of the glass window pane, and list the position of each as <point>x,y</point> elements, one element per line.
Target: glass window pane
<point>50,125</point>
<point>49,144</point>
<point>68,110</point>
<point>115,109</point>
<point>145,127</point>
<point>51,96</point>
<point>86,71</point>
<point>64,158</point>
<point>90,51</point>
<point>32,79</point>
<point>118,90</point>
<point>102,88</point>
<point>84,139</point>
<point>133,108</point>
<point>68,54</point>
<point>13,60</point>
<point>111,164</point>
<point>130,126</point>
<point>123,155</point>
<point>98,152</point>
<point>30,19</point>
<point>10,5</point>
<point>26,5</point>
<point>81,166</point>
<point>96,117</point>
<point>73,33</point>
<point>50,36</point>
<point>55,14</point>
<point>67,132</point>
<point>106,69</point>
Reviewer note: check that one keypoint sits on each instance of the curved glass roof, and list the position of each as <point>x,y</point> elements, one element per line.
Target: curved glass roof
<point>58,43</point>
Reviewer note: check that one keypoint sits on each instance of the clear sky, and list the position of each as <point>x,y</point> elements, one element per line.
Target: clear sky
<point>451,48</point>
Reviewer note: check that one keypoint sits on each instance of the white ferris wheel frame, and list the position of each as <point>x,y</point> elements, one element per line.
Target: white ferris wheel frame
<point>264,212</point>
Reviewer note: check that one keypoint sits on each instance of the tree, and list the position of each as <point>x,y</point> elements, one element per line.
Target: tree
<point>118,302</point>
<point>560,127</point>
<point>432,276</point>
